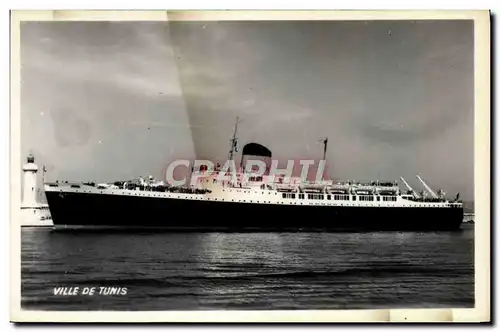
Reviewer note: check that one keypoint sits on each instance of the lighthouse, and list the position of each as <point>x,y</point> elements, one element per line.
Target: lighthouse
<point>33,214</point>
<point>30,170</point>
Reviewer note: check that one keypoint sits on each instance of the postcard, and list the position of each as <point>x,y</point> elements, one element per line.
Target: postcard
<point>250,166</point>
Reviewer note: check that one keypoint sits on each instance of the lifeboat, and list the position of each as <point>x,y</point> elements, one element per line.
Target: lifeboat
<point>363,191</point>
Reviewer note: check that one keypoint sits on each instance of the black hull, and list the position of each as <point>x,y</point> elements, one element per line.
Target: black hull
<point>83,210</point>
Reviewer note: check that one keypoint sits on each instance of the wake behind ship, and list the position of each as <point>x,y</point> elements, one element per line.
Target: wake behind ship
<point>252,203</point>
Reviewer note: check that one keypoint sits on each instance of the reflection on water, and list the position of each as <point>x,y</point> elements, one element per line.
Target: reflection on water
<point>190,271</point>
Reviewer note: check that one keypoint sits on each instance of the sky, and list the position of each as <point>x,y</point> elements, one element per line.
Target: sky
<point>106,101</point>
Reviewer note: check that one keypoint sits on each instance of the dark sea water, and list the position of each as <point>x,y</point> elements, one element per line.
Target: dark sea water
<point>197,271</point>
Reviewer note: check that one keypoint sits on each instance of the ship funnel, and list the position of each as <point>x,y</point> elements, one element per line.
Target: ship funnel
<point>256,150</point>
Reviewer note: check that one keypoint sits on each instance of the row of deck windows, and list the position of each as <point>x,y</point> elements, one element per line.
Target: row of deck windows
<point>364,198</point>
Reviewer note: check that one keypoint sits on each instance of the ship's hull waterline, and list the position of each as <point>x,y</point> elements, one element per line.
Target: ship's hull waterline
<point>93,210</point>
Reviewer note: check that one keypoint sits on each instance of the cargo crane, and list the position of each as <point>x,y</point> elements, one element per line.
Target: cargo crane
<point>433,194</point>
<point>415,194</point>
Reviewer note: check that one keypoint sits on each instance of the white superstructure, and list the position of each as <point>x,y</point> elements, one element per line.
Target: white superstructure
<point>259,191</point>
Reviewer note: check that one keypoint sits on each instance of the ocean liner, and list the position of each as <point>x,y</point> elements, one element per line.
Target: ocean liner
<point>248,202</point>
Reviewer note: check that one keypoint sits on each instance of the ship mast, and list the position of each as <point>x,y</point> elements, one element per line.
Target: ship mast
<point>325,145</point>
<point>433,194</point>
<point>234,140</point>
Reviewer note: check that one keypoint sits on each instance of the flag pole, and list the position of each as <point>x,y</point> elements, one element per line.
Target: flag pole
<point>43,183</point>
